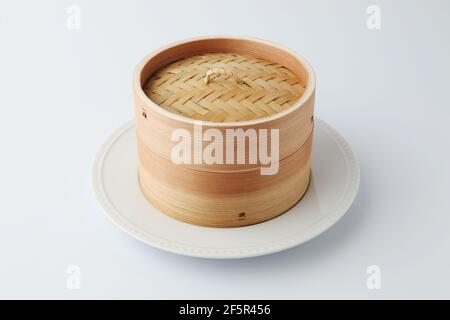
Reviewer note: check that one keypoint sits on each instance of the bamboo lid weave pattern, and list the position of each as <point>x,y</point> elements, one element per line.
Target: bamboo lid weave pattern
<point>224,87</point>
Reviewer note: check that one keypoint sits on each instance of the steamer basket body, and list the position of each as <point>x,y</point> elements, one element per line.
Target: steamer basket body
<point>222,195</point>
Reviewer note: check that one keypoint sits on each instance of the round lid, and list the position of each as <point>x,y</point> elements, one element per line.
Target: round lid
<point>224,87</point>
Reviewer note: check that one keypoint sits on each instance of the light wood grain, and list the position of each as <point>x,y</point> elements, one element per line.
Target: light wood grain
<point>228,195</point>
<point>244,87</point>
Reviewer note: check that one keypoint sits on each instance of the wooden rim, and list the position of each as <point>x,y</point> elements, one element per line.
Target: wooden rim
<point>297,63</point>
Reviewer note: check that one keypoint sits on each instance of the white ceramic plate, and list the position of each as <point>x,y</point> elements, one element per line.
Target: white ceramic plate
<point>334,184</point>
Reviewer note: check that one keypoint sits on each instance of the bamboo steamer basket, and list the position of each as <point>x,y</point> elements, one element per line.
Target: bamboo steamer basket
<point>224,83</point>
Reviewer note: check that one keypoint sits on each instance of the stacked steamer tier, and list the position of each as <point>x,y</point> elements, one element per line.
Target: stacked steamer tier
<point>224,130</point>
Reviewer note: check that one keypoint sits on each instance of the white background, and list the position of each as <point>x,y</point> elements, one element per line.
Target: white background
<point>63,92</point>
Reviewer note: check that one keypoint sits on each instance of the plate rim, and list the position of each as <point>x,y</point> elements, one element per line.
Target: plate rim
<point>245,252</point>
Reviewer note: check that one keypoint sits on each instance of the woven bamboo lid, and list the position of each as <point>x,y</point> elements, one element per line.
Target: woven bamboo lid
<point>224,87</point>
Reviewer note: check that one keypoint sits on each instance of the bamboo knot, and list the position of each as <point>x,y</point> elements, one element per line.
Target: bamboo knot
<point>221,71</point>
